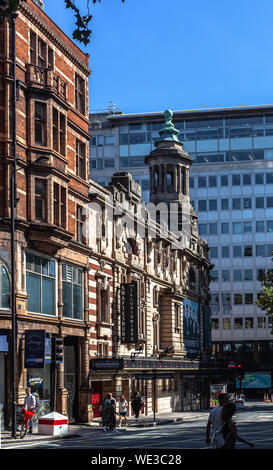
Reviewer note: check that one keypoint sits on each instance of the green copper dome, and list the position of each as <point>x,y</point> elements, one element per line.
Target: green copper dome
<point>168,131</point>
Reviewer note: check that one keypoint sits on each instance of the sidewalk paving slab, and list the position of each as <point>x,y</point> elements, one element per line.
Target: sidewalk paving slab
<point>81,429</point>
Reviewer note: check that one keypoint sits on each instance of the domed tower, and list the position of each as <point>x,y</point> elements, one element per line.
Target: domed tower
<point>169,172</point>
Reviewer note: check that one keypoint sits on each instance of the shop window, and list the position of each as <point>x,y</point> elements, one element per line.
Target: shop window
<point>4,287</point>
<point>41,284</point>
<point>72,292</point>
<point>39,382</point>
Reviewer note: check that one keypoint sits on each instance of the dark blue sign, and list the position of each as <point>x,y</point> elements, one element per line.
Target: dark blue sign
<point>4,345</point>
<point>35,349</point>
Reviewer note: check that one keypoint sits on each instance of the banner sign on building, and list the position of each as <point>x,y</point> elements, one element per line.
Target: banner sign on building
<point>35,349</point>
<point>191,327</point>
<point>106,364</point>
<point>129,312</point>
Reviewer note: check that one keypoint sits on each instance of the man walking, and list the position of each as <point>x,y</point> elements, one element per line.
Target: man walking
<point>29,405</point>
<point>214,421</point>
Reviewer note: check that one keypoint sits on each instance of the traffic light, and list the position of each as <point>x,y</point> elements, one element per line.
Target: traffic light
<point>240,370</point>
<point>57,350</point>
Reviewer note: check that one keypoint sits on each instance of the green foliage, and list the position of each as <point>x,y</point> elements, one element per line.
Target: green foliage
<point>265,301</point>
<point>81,33</point>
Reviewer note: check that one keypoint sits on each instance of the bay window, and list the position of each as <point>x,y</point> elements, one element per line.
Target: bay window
<point>41,284</point>
<point>72,292</point>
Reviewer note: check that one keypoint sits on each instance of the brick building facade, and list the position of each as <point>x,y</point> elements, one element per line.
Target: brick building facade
<point>52,148</point>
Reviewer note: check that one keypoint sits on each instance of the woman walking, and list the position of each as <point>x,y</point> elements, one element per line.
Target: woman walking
<point>122,410</point>
<point>229,429</point>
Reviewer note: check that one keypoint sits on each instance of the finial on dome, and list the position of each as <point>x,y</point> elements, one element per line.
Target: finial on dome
<point>168,131</point>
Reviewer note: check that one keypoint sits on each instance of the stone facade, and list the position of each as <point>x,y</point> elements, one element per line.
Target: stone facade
<point>129,245</point>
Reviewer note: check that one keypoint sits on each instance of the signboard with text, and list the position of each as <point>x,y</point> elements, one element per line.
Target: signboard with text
<point>35,348</point>
<point>191,327</point>
<point>129,312</point>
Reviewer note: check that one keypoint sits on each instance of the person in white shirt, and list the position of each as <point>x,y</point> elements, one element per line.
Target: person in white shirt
<point>122,410</point>
<point>29,404</point>
<point>214,421</point>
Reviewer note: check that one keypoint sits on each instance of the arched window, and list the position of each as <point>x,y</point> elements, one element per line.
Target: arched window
<point>4,287</point>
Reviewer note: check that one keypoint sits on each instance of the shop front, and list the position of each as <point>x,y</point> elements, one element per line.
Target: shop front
<point>161,383</point>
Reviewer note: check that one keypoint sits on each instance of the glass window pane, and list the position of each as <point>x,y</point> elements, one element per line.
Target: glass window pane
<point>236,203</point>
<point>77,302</point>
<point>259,202</point>
<point>225,251</point>
<point>213,252</point>
<point>202,182</point>
<point>247,227</point>
<point>33,287</point>
<point>246,180</point>
<point>48,296</point>
<point>260,226</point>
<point>67,300</point>
<point>213,204</point>
<point>248,275</point>
<point>4,288</point>
<point>212,181</point>
<point>213,229</point>
<point>237,275</point>
<point>247,203</point>
<point>259,178</point>
<point>37,264</point>
<point>224,180</point>
<point>237,227</point>
<point>237,251</point>
<point>224,204</point>
<point>236,180</point>
<point>260,250</point>
<point>202,206</point>
<point>238,299</point>
<point>225,276</point>
<point>225,227</point>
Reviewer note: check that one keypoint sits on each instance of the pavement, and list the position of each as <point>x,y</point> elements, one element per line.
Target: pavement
<point>83,429</point>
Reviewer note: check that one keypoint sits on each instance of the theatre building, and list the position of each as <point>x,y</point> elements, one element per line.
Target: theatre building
<point>46,126</point>
<point>149,288</point>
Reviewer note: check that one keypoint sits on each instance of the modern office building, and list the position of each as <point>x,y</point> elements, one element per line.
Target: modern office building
<point>231,188</point>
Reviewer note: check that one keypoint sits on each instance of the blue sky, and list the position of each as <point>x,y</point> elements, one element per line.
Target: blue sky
<point>149,55</point>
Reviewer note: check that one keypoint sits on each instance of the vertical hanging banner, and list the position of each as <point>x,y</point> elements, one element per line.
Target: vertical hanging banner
<point>35,348</point>
<point>129,312</point>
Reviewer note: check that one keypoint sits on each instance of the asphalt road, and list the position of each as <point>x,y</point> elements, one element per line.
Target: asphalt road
<point>254,424</point>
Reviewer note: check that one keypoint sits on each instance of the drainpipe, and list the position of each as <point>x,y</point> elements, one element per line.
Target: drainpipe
<point>13,201</point>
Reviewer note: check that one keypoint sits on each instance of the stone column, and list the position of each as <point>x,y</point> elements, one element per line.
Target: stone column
<point>85,405</point>
<point>187,181</point>
<point>179,179</point>
<point>61,392</point>
<point>176,179</point>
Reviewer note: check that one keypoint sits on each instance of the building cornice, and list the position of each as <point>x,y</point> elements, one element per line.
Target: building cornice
<point>53,37</point>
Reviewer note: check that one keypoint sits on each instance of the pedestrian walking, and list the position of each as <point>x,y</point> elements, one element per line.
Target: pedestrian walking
<point>29,405</point>
<point>137,404</point>
<point>108,413</point>
<point>229,430</point>
<point>214,420</point>
<point>122,410</point>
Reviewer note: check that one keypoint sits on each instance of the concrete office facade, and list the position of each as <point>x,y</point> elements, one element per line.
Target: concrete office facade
<point>231,182</point>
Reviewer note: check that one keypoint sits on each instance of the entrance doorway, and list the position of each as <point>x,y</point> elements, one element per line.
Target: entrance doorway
<point>96,399</point>
<point>71,379</point>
